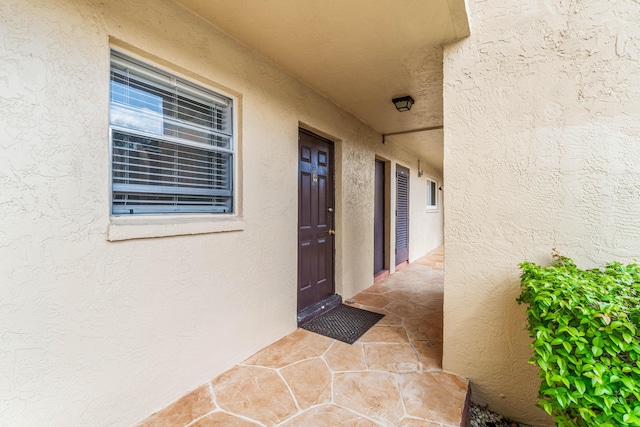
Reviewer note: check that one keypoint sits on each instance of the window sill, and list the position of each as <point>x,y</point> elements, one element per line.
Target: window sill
<point>146,227</point>
<point>433,210</point>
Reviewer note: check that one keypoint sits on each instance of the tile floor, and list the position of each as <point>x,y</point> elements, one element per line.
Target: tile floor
<point>391,376</point>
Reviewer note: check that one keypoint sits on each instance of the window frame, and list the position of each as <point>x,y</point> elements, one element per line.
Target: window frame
<point>127,227</point>
<point>169,79</point>
<point>432,194</point>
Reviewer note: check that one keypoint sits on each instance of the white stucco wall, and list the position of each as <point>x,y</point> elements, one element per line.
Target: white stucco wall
<point>96,332</point>
<point>542,150</point>
<point>430,236</point>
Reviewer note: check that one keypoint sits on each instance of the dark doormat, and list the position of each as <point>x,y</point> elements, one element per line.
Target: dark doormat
<point>343,323</point>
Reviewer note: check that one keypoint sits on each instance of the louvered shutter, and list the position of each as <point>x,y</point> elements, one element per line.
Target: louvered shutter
<point>171,143</point>
<point>402,214</point>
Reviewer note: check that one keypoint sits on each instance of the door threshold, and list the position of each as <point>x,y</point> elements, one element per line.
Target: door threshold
<point>319,308</point>
<point>380,275</point>
<point>402,264</point>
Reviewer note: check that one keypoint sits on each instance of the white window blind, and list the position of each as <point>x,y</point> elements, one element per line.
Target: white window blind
<point>171,143</point>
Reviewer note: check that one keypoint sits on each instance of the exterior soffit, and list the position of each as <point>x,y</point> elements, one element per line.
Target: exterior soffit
<point>358,53</point>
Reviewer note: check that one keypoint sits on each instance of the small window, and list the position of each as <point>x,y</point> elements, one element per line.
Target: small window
<point>432,194</point>
<point>172,143</point>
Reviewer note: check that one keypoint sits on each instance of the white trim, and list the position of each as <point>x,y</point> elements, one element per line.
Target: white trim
<point>432,190</point>
<point>142,227</point>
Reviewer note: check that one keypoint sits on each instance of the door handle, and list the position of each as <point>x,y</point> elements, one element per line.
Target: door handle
<point>331,232</point>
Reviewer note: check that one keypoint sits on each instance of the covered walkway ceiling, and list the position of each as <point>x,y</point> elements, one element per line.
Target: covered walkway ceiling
<point>358,53</point>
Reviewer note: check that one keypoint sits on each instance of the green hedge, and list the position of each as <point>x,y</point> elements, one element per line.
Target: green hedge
<point>585,325</point>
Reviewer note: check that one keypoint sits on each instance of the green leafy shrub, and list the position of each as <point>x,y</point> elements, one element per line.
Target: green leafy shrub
<point>585,327</point>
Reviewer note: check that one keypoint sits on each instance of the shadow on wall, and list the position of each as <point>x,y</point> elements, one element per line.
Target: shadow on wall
<point>501,323</point>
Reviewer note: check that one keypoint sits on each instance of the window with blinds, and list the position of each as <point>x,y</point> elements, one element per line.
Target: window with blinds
<point>432,194</point>
<point>172,144</point>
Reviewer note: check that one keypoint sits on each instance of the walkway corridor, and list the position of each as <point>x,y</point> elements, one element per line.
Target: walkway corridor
<point>390,377</point>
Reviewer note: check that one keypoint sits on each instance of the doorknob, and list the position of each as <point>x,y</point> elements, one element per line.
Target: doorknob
<point>331,232</point>
<point>330,210</point>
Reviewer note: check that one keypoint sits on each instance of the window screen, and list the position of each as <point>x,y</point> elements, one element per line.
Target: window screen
<point>171,143</point>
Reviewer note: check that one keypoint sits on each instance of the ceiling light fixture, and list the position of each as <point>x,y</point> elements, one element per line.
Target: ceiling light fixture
<point>403,103</point>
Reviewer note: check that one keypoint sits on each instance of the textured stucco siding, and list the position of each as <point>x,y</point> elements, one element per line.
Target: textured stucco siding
<point>542,150</point>
<point>96,332</point>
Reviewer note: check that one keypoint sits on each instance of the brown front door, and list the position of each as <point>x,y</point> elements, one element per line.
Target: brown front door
<point>315,220</point>
<point>378,220</point>
<point>402,214</point>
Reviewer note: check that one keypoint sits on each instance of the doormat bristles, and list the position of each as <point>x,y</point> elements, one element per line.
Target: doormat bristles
<point>343,323</point>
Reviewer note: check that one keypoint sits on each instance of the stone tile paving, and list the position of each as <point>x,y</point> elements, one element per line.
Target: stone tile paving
<point>392,376</point>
